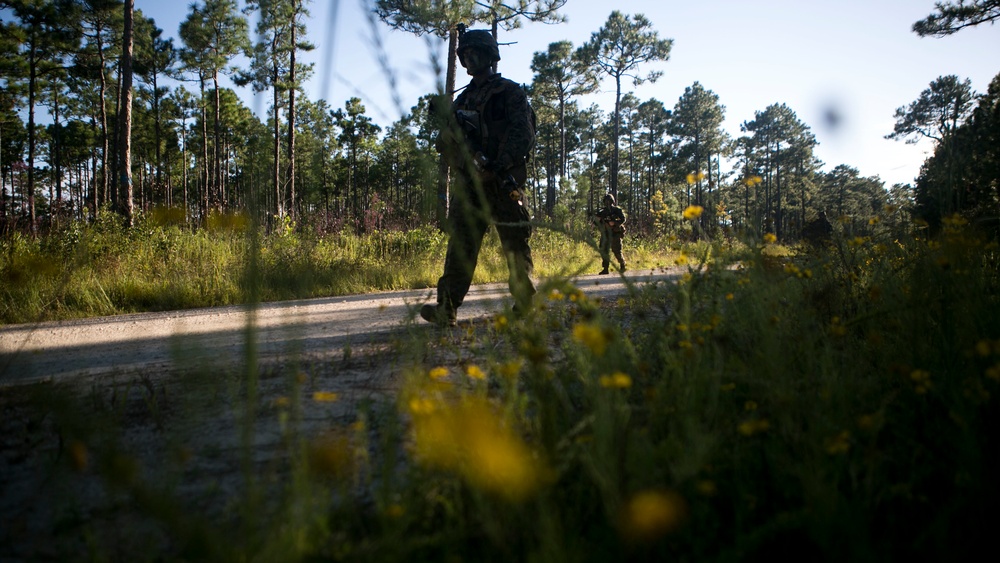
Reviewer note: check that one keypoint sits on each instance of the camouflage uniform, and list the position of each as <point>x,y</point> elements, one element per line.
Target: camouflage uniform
<point>488,160</point>
<point>611,221</point>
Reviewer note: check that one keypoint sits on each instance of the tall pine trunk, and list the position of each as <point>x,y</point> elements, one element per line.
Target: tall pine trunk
<point>126,115</point>
<point>291,121</point>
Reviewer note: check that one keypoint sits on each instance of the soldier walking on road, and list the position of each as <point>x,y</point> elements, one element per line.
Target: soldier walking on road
<point>487,137</point>
<point>610,220</point>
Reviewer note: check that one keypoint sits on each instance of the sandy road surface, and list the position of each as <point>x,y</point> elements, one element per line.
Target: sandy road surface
<point>314,327</point>
<point>163,387</point>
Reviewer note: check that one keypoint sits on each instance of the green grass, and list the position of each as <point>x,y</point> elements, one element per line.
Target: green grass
<point>85,271</point>
<point>776,403</point>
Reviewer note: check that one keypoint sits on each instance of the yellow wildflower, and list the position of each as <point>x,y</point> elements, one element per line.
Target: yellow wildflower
<point>617,380</point>
<point>693,212</point>
<point>439,372</point>
<point>325,397</point>
<point>511,368</point>
<point>474,372</point>
<point>591,336</point>
<point>921,380</point>
<point>556,295</point>
<point>471,440</point>
<point>770,238</point>
<point>394,511</point>
<point>420,406</point>
<point>730,297</point>
<point>751,427</point>
<point>651,514</point>
<point>500,322</point>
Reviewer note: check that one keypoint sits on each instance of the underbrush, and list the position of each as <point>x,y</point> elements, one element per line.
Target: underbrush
<point>104,269</point>
<point>834,403</point>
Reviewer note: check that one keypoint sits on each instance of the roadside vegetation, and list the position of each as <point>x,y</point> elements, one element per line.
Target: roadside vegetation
<point>84,270</point>
<point>829,402</point>
<point>809,388</point>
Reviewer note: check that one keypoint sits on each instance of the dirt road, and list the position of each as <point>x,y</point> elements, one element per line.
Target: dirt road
<point>168,392</point>
<point>56,351</point>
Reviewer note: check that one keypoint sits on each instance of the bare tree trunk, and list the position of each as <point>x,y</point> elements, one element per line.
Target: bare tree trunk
<point>204,188</point>
<point>95,188</point>
<point>184,163</point>
<point>126,114</point>
<point>443,171</point>
<point>31,147</point>
<point>613,181</point>
<point>102,194</point>
<point>291,118</point>
<point>277,147</point>
<point>218,190</point>
<point>55,151</point>
<point>156,136</point>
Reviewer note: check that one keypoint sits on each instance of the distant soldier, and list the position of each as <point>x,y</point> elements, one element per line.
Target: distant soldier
<point>486,139</point>
<point>610,219</point>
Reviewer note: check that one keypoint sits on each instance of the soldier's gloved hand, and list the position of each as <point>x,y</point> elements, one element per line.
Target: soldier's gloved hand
<point>496,168</point>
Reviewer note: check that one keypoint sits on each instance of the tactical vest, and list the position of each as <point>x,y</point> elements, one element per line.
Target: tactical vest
<point>490,104</point>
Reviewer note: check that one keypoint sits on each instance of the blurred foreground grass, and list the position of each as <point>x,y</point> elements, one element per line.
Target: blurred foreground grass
<point>832,404</point>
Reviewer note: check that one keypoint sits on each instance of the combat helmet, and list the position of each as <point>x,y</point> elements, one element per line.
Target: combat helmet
<point>477,39</point>
<point>610,196</point>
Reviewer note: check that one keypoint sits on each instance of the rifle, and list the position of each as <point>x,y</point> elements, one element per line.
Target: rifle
<point>467,121</point>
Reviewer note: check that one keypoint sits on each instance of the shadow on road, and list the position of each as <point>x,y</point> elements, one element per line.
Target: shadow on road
<point>203,338</point>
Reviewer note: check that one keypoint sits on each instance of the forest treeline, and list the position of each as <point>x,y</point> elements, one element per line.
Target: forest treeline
<point>195,149</point>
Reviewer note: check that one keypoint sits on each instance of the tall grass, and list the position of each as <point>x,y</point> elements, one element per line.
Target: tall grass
<point>103,269</point>
<point>818,404</point>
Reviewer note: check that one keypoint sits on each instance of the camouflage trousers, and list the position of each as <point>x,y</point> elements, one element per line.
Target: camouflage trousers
<point>471,212</point>
<point>611,243</point>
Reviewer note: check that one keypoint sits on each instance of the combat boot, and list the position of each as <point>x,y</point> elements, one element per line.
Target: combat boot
<point>439,315</point>
<point>603,272</point>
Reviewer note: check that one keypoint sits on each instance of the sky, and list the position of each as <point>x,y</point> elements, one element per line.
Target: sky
<point>855,59</point>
